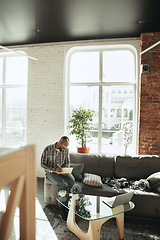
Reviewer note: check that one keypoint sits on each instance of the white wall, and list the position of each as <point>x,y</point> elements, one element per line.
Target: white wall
<point>46,89</point>
<point>45,114</point>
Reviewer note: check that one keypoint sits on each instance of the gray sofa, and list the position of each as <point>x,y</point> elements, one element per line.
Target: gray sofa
<point>147,203</point>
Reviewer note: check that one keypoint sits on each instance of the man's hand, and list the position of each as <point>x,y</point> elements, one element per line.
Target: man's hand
<point>59,169</point>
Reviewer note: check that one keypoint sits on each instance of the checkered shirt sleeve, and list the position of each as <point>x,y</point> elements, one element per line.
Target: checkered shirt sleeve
<point>50,158</point>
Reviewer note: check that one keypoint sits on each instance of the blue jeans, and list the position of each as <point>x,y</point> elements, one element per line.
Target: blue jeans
<point>64,182</point>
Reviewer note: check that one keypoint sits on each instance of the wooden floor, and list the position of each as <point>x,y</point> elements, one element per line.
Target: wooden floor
<point>43,227</point>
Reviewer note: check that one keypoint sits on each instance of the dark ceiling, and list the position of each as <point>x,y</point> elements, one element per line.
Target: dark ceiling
<point>42,21</point>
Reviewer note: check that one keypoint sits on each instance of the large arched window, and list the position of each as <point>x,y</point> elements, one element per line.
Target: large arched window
<point>13,99</point>
<point>103,78</point>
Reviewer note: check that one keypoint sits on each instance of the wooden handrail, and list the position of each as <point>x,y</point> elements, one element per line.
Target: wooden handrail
<point>18,167</point>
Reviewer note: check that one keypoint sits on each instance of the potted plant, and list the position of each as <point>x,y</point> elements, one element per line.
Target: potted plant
<point>83,203</point>
<point>75,190</point>
<point>80,124</point>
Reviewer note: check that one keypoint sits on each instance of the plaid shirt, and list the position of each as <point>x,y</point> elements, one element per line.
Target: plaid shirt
<point>52,156</point>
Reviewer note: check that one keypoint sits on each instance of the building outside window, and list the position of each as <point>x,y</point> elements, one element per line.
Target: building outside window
<point>13,99</point>
<point>103,79</point>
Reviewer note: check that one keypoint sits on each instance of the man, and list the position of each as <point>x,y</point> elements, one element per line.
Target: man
<point>54,158</point>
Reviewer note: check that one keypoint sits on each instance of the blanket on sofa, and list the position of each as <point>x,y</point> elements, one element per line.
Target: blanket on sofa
<point>141,184</point>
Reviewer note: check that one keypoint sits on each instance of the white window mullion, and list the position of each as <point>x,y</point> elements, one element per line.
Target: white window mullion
<point>67,110</point>
<point>135,120</point>
<point>100,103</point>
<point>100,120</point>
<point>3,105</point>
<point>3,116</point>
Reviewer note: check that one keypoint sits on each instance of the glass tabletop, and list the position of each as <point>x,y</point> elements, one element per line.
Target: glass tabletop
<point>93,207</point>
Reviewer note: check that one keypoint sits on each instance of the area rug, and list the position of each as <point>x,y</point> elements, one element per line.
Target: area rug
<point>134,229</point>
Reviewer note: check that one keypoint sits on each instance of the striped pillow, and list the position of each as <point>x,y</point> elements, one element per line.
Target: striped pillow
<point>92,180</point>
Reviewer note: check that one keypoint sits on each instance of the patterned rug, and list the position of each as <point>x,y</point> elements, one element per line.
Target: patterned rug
<point>134,229</point>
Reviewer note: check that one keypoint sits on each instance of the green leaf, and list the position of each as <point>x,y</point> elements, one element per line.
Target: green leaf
<point>80,124</point>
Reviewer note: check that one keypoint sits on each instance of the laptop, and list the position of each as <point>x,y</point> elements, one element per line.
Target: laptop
<point>119,199</point>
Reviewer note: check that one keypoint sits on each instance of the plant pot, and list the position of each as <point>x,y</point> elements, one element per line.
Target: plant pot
<point>83,150</point>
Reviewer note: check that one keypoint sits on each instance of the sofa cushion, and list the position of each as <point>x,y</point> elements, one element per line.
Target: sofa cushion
<point>104,190</point>
<point>136,167</point>
<point>146,205</point>
<point>154,180</point>
<point>77,171</point>
<point>92,180</point>
<point>98,164</point>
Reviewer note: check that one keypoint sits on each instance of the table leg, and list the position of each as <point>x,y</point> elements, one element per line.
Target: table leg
<point>120,225</point>
<point>71,223</point>
<point>94,226</point>
<point>93,230</point>
<point>120,220</point>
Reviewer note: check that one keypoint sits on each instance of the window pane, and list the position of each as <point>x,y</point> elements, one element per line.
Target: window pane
<point>88,98</point>
<point>117,109</point>
<point>84,67</point>
<point>16,110</point>
<point>16,70</point>
<point>1,70</point>
<point>0,117</point>
<point>118,66</point>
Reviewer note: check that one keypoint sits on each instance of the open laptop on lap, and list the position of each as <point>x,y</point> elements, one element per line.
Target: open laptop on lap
<point>119,199</point>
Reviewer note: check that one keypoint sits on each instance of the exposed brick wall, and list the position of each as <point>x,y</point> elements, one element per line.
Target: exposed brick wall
<point>149,131</point>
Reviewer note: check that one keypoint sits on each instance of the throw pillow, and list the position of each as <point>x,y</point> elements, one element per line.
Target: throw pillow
<point>154,180</point>
<point>77,171</point>
<point>92,180</point>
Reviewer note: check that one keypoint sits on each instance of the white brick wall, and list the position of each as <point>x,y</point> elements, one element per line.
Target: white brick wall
<point>45,115</point>
<point>46,85</point>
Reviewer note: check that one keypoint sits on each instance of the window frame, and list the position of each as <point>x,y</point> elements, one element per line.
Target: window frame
<point>4,86</point>
<point>100,84</point>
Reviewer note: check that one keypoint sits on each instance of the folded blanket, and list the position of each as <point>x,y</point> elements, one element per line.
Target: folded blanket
<point>141,184</point>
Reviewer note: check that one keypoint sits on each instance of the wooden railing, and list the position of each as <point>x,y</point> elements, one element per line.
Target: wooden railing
<point>18,168</point>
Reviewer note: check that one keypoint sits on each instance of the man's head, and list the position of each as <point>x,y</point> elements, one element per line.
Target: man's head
<point>63,143</point>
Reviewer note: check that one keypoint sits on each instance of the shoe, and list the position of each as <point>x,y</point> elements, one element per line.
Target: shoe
<point>63,215</point>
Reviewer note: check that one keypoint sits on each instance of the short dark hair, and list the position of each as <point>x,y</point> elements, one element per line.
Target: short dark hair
<point>65,138</point>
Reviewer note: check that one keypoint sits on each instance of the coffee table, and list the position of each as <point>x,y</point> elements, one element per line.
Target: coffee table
<point>99,214</point>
